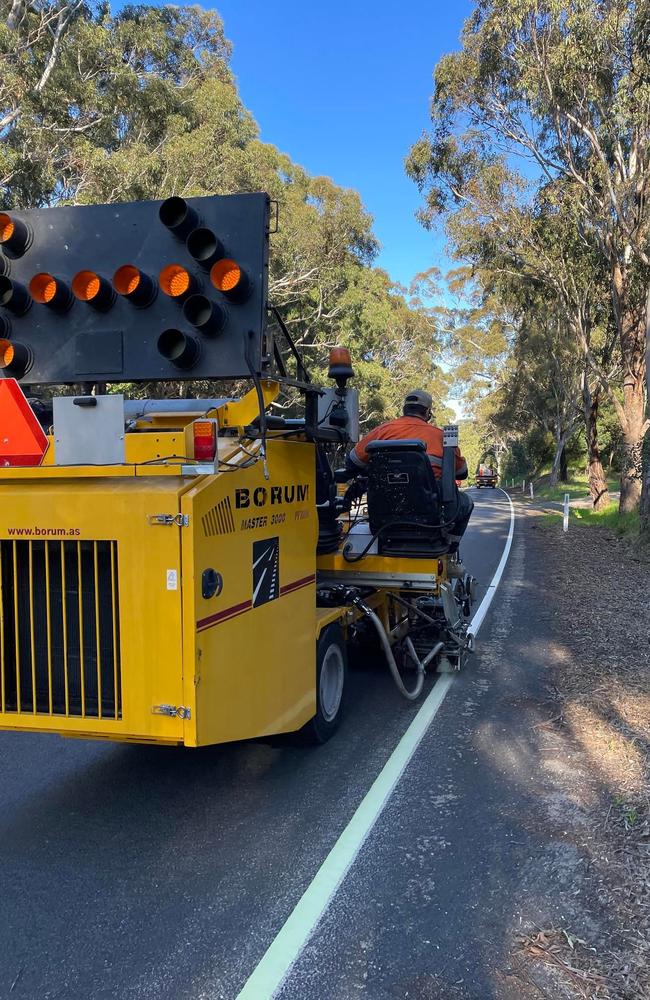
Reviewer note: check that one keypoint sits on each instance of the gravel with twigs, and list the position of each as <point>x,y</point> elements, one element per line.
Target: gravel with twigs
<point>599,620</point>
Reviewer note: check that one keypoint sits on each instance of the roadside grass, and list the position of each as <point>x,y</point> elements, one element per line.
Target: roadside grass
<point>623,525</point>
<point>577,487</point>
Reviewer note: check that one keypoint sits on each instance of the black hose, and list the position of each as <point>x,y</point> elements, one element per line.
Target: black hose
<point>260,400</point>
<point>393,524</point>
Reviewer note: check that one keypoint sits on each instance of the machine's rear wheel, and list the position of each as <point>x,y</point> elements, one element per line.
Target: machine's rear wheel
<point>331,675</point>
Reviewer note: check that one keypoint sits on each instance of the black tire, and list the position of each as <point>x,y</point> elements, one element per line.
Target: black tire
<point>331,655</point>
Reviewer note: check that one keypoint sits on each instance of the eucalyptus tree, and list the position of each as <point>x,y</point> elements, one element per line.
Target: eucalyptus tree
<point>565,84</point>
<point>141,103</point>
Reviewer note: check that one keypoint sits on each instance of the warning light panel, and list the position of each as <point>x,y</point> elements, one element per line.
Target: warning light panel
<point>172,289</point>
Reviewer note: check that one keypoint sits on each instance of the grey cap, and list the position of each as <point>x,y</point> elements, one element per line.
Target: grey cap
<point>419,398</point>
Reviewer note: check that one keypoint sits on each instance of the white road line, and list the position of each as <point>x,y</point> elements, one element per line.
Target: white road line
<point>286,948</point>
<point>482,609</point>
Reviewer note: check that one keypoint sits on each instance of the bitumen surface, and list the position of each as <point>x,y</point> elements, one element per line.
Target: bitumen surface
<point>144,872</point>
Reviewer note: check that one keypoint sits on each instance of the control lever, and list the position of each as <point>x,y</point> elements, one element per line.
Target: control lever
<point>448,479</point>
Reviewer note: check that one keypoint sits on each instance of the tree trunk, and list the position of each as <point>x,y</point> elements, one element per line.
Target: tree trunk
<point>633,434</point>
<point>630,318</point>
<point>645,462</point>
<point>564,471</point>
<point>560,441</point>
<point>598,487</point>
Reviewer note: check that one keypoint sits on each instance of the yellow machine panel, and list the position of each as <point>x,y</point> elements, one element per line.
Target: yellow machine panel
<point>250,647</point>
<point>90,601</point>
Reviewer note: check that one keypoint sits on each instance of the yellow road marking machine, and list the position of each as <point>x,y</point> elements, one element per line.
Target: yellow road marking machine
<point>193,571</point>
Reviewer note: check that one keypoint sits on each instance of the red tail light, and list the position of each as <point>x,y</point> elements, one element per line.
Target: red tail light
<point>205,440</point>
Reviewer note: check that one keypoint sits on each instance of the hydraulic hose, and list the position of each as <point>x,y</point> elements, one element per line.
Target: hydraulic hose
<point>390,659</point>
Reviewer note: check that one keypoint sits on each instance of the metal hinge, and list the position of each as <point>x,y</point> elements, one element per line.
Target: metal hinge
<point>181,520</point>
<point>180,712</point>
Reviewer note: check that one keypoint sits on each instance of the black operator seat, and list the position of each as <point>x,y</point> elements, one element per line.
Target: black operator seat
<point>404,500</point>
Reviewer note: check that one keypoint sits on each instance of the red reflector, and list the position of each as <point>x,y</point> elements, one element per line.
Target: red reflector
<point>22,439</point>
<point>441,567</point>
<point>205,440</point>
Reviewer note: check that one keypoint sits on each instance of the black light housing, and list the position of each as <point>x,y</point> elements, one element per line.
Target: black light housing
<point>204,247</point>
<point>15,235</point>
<point>5,327</point>
<point>179,217</point>
<point>14,296</point>
<point>181,349</point>
<point>208,317</point>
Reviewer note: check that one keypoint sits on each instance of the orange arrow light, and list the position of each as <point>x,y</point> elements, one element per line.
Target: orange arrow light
<point>22,439</point>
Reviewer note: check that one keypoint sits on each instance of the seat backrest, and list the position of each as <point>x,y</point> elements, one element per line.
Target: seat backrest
<point>404,499</point>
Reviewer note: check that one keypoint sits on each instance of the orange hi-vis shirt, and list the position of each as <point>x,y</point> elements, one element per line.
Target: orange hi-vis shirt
<point>409,429</point>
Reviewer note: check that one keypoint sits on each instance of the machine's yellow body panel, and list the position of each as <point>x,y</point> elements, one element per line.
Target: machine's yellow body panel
<point>250,649</point>
<point>45,516</point>
<point>190,669</point>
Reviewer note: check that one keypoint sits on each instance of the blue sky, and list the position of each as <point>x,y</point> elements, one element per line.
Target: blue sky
<point>344,89</point>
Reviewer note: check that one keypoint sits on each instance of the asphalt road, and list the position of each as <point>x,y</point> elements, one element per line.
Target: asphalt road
<point>136,872</point>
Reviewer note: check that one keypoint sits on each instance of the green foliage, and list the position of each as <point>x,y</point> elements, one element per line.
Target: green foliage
<point>472,444</point>
<point>142,104</point>
<point>564,85</point>
<point>528,455</point>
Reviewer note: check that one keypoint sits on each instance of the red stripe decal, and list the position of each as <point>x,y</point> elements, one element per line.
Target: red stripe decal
<point>236,609</point>
<point>239,609</point>
<point>297,584</point>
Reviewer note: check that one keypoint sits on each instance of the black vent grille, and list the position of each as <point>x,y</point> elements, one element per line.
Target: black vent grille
<point>219,519</point>
<point>59,628</point>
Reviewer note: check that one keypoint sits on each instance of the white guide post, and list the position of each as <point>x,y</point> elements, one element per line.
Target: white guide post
<point>532,494</point>
<point>565,518</point>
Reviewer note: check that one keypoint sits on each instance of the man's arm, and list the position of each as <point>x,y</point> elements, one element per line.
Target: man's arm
<point>461,466</point>
<point>357,460</point>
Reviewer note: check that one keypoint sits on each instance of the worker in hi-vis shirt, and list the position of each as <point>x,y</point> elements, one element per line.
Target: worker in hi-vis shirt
<point>414,426</point>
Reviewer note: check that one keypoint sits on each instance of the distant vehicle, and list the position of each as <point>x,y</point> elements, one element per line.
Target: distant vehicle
<point>486,477</point>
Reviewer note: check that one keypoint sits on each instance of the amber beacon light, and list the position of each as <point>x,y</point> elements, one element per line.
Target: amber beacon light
<point>177,282</point>
<point>47,290</point>
<point>229,279</point>
<point>15,359</point>
<point>90,287</point>
<point>15,236</point>
<point>134,285</point>
<point>340,367</point>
